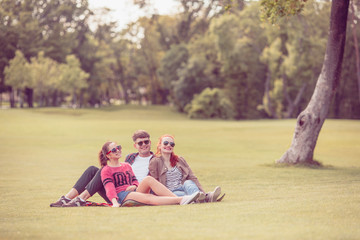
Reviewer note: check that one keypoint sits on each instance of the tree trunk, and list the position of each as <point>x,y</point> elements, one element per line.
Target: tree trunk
<point>310,121</point>
<point>29,96</point>
<point>54,98</point>
<point>12,98</point>
<point>353,24</point>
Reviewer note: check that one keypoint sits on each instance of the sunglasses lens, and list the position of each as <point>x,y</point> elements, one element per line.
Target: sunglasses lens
<point>167,142</point>
<point>146,142</point>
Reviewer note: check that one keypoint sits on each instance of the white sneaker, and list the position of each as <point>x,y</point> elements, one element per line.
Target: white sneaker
<point>201,198</point>
<point>189,198</point>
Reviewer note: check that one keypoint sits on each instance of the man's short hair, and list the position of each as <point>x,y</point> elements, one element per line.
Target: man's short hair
<point>140,134</point>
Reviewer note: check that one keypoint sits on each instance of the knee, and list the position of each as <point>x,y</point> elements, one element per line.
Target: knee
<point>92,170</point>
<point>189,182</point>
<point>148,179</point>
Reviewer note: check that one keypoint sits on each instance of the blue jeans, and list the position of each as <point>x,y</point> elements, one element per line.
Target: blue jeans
<point>188,188</point>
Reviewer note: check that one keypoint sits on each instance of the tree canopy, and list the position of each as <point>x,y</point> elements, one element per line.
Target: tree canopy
<point>265,69</point>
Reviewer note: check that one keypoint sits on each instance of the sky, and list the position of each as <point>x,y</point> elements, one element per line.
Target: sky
<point>125,12</point>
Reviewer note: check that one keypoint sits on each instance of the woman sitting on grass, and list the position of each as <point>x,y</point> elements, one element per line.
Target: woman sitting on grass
<point>121,184</point>
<point>174,172</point>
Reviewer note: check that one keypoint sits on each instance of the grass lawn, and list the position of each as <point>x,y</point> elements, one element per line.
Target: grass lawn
<point>44,151</point>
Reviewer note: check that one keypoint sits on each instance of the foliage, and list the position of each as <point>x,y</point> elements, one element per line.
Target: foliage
<point>46,76</point>
<point>291,72</point>
<point>72,78</point>
<point>210,103</point>
<point>17,73</point>
<point>239,40</point>
<point>273,10</point>
<point>267,70</point>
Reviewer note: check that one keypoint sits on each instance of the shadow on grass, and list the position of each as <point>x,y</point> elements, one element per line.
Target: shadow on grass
<point>317,166</point>
<point>59,111</point>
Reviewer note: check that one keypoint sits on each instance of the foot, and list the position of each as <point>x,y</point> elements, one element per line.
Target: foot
<point>212,196</point>
<point>201,198</point>
<point>59,203</point>
<point>76,202</point>
<point>187,199</point>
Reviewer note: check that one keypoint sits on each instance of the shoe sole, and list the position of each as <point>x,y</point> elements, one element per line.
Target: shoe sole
<point>217,193</point>
<point>194,198</point>
<point>221,198</point>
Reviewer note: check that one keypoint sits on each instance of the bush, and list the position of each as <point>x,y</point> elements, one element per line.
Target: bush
<point>210,103</point>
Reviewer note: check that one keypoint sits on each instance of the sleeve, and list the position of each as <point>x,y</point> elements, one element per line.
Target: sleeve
<point>192,176</point>
<point>153,168</point>
<point>108,183</point>
<point>127,158</point>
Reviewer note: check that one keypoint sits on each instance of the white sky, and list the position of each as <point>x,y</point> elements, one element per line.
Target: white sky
<point>125,12</point>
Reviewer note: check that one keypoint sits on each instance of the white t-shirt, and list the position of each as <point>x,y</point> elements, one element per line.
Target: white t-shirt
<point>141,167</point>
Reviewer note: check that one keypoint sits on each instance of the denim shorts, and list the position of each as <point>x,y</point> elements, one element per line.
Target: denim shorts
<point>122,195</point>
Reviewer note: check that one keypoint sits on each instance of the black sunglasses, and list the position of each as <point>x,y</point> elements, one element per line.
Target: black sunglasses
<point>114,149</point>
<point>146,142</point>
<point>172,144</point>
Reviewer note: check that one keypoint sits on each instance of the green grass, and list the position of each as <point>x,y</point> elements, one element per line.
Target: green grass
<point>43,152</point>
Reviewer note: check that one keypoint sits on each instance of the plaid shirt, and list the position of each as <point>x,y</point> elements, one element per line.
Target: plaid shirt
<point>131,157</point>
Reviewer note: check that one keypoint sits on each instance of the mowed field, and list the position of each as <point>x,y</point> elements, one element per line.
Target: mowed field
<point>44,151</point>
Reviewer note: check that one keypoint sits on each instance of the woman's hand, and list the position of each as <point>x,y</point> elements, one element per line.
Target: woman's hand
<point>115,202</point>
<point>131,188</point>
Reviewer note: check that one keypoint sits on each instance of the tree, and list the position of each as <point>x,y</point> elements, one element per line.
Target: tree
<point>293,58</point>
<point>310,121</point>
<point>346,102</point>
<point>175,58</point>
<point>44,76</point>
<point>210,103</point>
<point>72,78</point>
<point>240,40</point>
<point>17,75</point>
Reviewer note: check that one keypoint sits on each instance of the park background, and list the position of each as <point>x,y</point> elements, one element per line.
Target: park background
<point>210,59</point>
<point>73,80</point>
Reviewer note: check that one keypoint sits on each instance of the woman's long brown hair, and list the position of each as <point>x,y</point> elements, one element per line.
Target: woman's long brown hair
<point>102,154</point>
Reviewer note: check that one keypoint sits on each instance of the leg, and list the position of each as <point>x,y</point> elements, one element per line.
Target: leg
<point>72,193</point>
<point>190,187</point>
<point>152,199</point>
<point>79,187</point>
<point>81,183</point>
<point>150,183</point>
<point>95,186</point>
<point>180,192</point>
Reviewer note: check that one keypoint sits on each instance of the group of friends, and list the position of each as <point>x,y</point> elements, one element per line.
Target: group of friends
<point>162,178</point>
